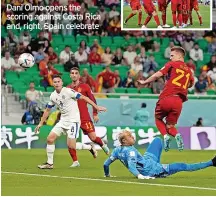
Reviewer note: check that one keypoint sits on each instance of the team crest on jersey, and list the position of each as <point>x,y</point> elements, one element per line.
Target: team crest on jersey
<point>79,90</point>
<point>63,96</point>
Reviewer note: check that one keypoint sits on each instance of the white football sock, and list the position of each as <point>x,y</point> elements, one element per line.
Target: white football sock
<point>50,152</point>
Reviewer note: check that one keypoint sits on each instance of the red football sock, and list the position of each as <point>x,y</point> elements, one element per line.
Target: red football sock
<point>174,19</point>
<point>172,131</point>
<point>161,126</point>
<point>164,18</point>
<point>200,19</point>
<point>130,16</point>
<point>98,141</point>
<point>156,18</point>
<point>191,19</point>
<point>186,18</point>
<point>180,19</point>
<point>139,18</point>
<point>147,20</point>
<point>72,154</point>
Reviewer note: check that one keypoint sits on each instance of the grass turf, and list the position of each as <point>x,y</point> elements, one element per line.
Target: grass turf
<point>26,161</point>
<point>133,22</point>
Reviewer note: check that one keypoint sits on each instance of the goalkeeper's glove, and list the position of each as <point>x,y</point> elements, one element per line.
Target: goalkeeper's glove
<point>140,176</point>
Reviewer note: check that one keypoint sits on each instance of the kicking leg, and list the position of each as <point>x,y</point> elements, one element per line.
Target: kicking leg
<point>98,141</point>
<point>155,148</point>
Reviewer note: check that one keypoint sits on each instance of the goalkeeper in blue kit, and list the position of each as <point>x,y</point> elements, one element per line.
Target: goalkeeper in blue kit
<point>148,166</point>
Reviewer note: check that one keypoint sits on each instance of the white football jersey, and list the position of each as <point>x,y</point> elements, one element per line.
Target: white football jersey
<point>66,101</point>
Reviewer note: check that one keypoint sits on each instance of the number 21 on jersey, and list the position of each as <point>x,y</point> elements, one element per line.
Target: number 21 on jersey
<point>181,74</point>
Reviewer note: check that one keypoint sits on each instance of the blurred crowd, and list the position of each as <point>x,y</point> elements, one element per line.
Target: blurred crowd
<point>139,57</point>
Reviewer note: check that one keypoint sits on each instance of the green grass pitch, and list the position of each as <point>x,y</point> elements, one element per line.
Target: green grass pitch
<point>63,181</point>
<point>133,22</point>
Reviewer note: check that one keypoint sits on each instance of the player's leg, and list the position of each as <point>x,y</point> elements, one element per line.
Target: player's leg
<point>132,14</point>
<point>50,149</point>
<point>179,9</point>
<point>155,149</point>
<point>140,16</point>
<point>174,10</point>
<point>162,7</point>
<point>196,8</point>
<point>161,111</point>
<point>179,167</point>
<point>172,119</point>
<point>72,135</point>
<point>89,129</point>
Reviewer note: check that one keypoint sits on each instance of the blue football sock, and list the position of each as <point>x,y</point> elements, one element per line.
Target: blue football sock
<point>179,167</point>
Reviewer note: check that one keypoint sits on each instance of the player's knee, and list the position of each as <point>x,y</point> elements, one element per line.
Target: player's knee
<point>140,11</point>
<point>92,137</point>
<point>50,140</point>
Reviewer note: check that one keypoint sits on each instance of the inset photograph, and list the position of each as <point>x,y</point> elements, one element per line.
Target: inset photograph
<point>166,14</point>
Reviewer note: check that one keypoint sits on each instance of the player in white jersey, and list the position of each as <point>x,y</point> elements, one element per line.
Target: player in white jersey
<point>66,100</point>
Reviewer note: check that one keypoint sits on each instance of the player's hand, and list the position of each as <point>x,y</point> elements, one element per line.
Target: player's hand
<point>101,109</point>
<point>142,82</point>
<point>37,129</point>
<point>95,118</point>
<point>140,176</point>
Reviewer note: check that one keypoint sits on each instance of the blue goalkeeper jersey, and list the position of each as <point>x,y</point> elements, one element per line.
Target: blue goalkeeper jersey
<point>135,162</point>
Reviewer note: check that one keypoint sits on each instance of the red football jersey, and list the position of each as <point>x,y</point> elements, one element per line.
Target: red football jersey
<point>178,76</point>
<point>85,90</point>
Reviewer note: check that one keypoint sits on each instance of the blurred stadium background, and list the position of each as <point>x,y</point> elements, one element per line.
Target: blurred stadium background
<point>125,57</point>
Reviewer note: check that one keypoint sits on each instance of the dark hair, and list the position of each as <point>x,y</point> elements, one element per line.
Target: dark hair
<point>179,49</point>
<point>67,46</point>
<point>143,105</point>
<point>56,76</point>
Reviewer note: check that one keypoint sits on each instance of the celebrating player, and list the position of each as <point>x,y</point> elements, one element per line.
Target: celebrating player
<point>179,79</point>
<point>162,7</point>
<point>136,8</point>
<point>148,166</point>
<point>194,5</point>
<point>87,125</point>
<point>151,11</point>
<point>66,101</point>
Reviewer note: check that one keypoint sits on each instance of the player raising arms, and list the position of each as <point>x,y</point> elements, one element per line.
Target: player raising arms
<point>69,123</point>
<point>148,166</point>
<point>169,106</point>
<point>136,8</point>
<point>87,125</point>
<point>162,7</point>
<point>151,11</point>
<point>194,5</point>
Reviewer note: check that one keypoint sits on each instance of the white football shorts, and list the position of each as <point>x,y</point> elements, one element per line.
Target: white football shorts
<point>71,130</point>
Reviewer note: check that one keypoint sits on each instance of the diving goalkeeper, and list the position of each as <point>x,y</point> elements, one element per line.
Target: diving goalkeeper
<point>148,166</point>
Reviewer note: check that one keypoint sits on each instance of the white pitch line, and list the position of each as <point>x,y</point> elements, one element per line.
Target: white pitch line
<point>112,181</point>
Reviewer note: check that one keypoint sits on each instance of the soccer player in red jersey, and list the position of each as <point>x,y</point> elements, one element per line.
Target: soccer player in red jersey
<point>194,5</point>
<point>176,7</point>
<point>169,106</point>
<point>136,7</point>
<point>162,7</point>
<point>151,11</point>
<point>87,125</point>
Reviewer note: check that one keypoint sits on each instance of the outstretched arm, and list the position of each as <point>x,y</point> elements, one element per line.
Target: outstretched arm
<point>151,79</point>
<point>89,101</point>
<point>106,167</point>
